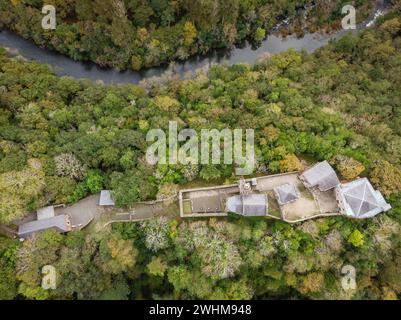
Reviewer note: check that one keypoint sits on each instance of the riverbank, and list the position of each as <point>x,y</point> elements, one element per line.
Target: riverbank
<point>273,44</point>
<point>118,38</point>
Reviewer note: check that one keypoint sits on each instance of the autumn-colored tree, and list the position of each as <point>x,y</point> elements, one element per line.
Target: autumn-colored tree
<point>348,167</point>
<point>189,33</point>
<point>290,163</point>
<point>392,26</point>
<point>118,255</point>
<point>386,177</point>
<point>166,103</point>
<point>312,283</point>
<point>390,274</point>
<point>37,251</point>
<point>17,190</point>
<point>271,134</point>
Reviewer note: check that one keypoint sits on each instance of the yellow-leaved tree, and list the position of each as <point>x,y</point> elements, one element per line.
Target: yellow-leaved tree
<point>19,189</point>
<point>291,163</point>
<point>386,177</point>
<point>348,167</point>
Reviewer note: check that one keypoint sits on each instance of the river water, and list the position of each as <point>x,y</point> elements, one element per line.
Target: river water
<point>64,66</point>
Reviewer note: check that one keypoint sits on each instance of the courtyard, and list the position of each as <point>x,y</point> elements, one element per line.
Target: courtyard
<point>210,201</point>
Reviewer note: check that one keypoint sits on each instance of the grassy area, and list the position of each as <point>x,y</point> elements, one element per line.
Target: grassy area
<point>274,208</point>
<point>186,206</point>
<point>304,192</point>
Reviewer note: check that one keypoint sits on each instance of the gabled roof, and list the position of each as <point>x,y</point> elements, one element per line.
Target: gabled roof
<point>360,200</point>
<point>321,175</point>
<point>286,193</point>
<point>60,223</point>
<point>106,198</point>
<point>248,205</point>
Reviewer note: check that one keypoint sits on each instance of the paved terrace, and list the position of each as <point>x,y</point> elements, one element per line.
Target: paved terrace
<point>311,203</point>
<point>82,212</point>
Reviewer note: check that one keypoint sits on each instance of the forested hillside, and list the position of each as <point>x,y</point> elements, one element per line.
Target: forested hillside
<point>136,33</point>
<point>62,139</point>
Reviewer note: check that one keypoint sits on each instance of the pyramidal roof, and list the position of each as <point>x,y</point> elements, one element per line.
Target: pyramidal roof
<point>361,200</point>
<point>286,193</point>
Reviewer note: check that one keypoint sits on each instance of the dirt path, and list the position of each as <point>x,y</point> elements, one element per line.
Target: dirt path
<point>140,212</point>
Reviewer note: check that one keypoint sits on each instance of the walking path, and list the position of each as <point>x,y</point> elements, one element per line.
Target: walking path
<point>87,210</point>
<point>141,211</point>
<point>82,212</point>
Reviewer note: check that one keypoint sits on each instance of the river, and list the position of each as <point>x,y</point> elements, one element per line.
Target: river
<point>64,66</point>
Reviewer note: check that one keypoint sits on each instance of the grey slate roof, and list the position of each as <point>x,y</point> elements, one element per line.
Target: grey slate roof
<point>286,193</point>
<point>106,198</point>
<point>248,205</point>
<point>360,200</point>
<point>321,175</point>
<point>59,223</point>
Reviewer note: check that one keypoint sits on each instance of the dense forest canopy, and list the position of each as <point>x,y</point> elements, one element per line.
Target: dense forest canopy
<point>63,139</point>
<point>142,33</point>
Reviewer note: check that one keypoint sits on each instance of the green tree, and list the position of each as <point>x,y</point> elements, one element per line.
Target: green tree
<point>157,267</point>
<point>260,34</point>
<point>94,181</point>
<point>356,238</point>
<point>179,277</point>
